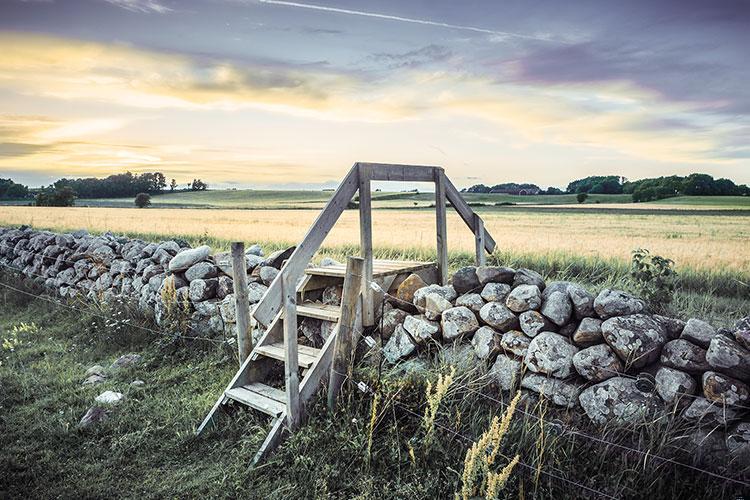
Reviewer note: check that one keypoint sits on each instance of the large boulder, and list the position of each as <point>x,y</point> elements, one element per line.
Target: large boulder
<point>675,386</point>
<point>725,390</point>
<point>582,300</point>
<point>551,354</point>
<point>391,319</point>
<point>589,332</point>
<point>201,271</point>
<point>399,346</point>
<point>698,332</point>
<point>434,306</point>
<point>466,280</point>
<point>201,290</point>
<point>255,292</point>
<point>515,342</point>
<point>495,292</point>
<point>421,329</point>
<point>685,356</point>
<point>560,392</point>
<point>557,308</point>
<point>673,326</point>
<point>618,400</point>
<point>709,413</point>
<point>524,298</point>
<point>447,292</point>
<point>457,322</point>
<point>637,339</point>
<point>727,356</point>
<point>473,301</point>
<point>528,277</point>
<point>532,323</point>
<point>610,303</point>
<point>495,274</point>
<point>597,363</point>
<point>505,372</point>
<point>186,258</point>
<point>498,316</point>
<point>486,343</point>
<point>410,285</point>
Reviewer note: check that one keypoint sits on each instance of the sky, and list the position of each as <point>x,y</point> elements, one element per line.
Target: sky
<point>274,93</point>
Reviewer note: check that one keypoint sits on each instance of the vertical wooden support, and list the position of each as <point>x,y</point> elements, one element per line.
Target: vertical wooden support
<point>365,241</point>
<point>291,362</point>
<point>343,351</point>
<point>441,227</point>
<point>241,301</point>
<point>479,240</point>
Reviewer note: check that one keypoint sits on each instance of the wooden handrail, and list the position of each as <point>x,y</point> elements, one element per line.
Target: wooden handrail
<point>466,213</point>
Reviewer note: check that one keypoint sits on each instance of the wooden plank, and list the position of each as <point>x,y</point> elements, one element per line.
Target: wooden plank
<point>272,440</point>
<point>365,243</point>
<point>318,370</point>
<point>378,270</point>
<point>305,358</point>
<point>291,363</point>
<point>466,213</point>
<point>441,227</point>
<point>343,357</point>
<point>398,172</point>
<point>270,305</point>
<point>326,312</point>
<point>241,301</point>
<point>479,240</point>
<point>255,397</point>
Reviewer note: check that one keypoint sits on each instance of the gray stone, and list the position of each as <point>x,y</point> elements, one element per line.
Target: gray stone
<point>208,307</point>
<point>186,258</point>
<point>332,295</point>
<point>447,292</point>
<point>228,309</point>
<point>515,343</point>
<point>224,287</point>
<point>560,392</point>
<point>505,372</point>
<point>201,271</point>
<point>434,306</point>
<point>589,332</point>
<point>473,301</point>
<point>495,274</point>
<point>698,332</point>
<point>255,292</point>
<point>268,274</point>
<point>201,290</point>
<point>498,316</point>
<point>94,379</point>
<point>726,355</point>
<point>255,250</point>
<point>675,386</point>
<point>532,323</point>
<point>557,308</point>
<point>582,300</point>
<point>391,319</point>
<point>550,354</point>
<point>685,356</point>
<point>277,258</point>
<point>110,398</point>
<point>743,338</point>
<point>524,298</point>
<point>96,370</point>
<point>555,286</point>
<point>94,415</point>
<point>495,292</point>
<point>528,277</point>
<point>617,400</point>
<point>738,442</point>
<point>725,390</point>
<point>399,346</point>
<point>465,280</point>
<point>610,303</point>
<point>457,322</point>
<point>707,412</point>
<point>126,361</point>
<point>597,363</point>
<point>486,343</point>
<point>421,329</point>
<point>636,339</point>
<point>673,326</point>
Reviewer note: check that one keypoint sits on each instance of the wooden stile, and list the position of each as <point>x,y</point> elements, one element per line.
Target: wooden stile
<point>241,301</point>
<point>291,362</point>
<point>441,227</point>
<point>479,240</point>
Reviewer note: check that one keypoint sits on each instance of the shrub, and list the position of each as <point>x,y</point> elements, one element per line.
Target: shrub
<point>654,275</point>
<point>581,197</point>
<point>142,200</point>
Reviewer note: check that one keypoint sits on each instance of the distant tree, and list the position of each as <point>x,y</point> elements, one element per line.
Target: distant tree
<point>57,196</point>
<point>581,197</point>
<point>10,190</point>
<point>142,200</point>
<point>553,190</point>
<point>198,185</point>
<point>609,184</point>
<point>173,185</point>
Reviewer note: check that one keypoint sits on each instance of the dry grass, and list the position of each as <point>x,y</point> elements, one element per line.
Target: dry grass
<point>712,242</point>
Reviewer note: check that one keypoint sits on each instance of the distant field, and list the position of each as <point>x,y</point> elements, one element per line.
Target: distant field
<point>710,242</point>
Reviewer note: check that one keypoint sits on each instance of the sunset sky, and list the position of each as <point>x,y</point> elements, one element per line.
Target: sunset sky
<point>256,93</point>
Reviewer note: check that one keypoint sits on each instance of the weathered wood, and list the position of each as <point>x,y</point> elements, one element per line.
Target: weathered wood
<point>241,301</point>
<point>306,356</point>
<point>259,396</point>
<point>291,363</point>
<point>466,213</point>
<point>365,242</point>
<point>441,227</point>
<point>398,172</point>
<point>271,441</point>
<point>270,305</point>
<point>380,268</point>
<point>326,312</point>
<point>341,365</point>
<point>479,240</point>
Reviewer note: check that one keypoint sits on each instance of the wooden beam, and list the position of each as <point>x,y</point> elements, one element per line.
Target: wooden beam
<point>365,239</point>
<point>291,364</point>
<point>241,301</point>
<point>398,172</point>
<point>441,226</point>
<point>466,213</point>
<point>343,355</point>
<point>270,305</point>
<point>479,240</point>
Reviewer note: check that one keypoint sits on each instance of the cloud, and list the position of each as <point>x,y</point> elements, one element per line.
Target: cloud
<point>141,6</point>
<point>428,54</point>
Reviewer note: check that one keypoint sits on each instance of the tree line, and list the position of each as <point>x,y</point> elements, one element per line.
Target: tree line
<point>10,190</point>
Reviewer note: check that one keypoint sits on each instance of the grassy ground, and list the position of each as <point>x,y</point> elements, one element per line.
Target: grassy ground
<point>147,447</point>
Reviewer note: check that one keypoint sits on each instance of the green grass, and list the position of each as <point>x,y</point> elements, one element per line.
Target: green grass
<point>737,202</point>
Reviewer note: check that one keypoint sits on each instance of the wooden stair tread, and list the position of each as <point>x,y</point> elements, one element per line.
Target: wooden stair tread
<point>382,267</point>
<point>259,396</point>
<point>306,355</point>
<point>316,310</point>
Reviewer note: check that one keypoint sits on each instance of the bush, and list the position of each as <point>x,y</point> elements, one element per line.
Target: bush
<point>142,200</point>
<point>655,277</point>
<point>581,197</point>
<point>63,196</point>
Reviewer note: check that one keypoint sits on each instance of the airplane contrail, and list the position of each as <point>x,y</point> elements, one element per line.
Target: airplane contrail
<point>411,20</point>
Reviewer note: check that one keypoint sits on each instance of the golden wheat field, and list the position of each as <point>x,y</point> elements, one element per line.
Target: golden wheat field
<point>698,241</point>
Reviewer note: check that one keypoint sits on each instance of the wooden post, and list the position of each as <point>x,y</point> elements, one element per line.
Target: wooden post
<point>343,350</point>
<point>441,227</point>
<point>241,301</point>
<point>365,239</point>
<point>291,362</point>
<point>479,240</point>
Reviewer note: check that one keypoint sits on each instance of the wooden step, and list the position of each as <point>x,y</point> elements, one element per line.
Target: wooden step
<point>261,397</point>
<point>306,355</point>
<point>380,268</point>
<point>317,310</point>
